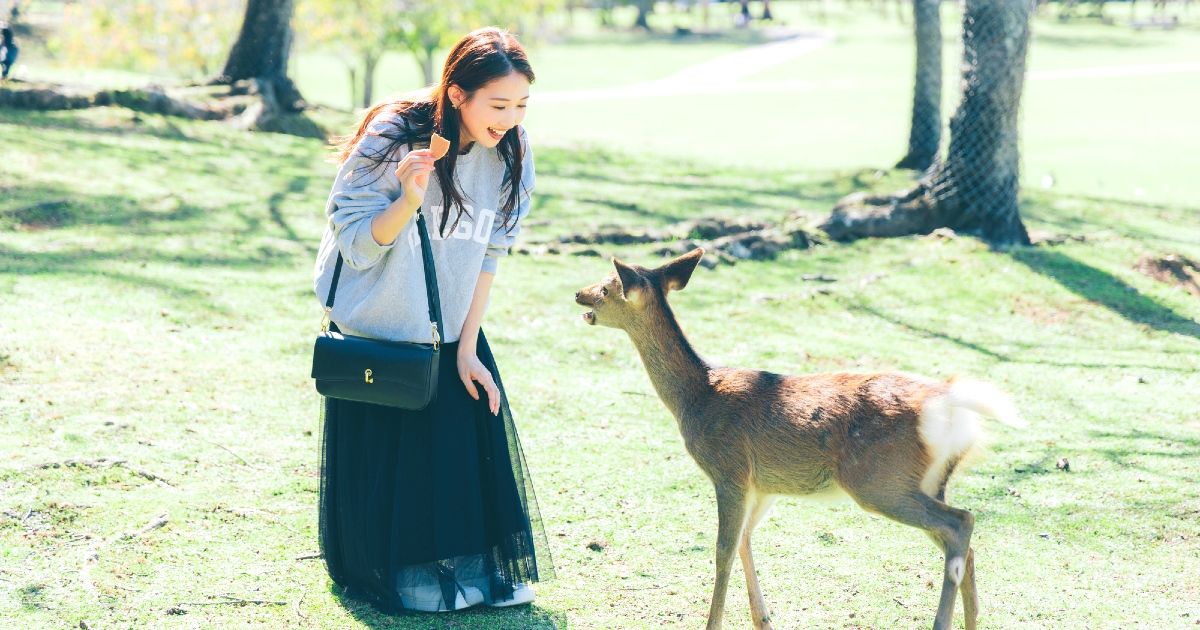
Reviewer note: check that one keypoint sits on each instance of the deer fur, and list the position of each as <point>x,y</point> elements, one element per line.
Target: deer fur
<point>888,440</point>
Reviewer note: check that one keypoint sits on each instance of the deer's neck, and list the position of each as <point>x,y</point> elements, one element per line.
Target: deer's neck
<point>679,374</point>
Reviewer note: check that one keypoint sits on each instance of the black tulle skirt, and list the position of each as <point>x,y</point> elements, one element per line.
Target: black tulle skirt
<point>417,505</point>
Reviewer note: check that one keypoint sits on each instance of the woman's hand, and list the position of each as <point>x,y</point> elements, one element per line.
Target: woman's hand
<point>471,369</point>
<point>413,173</point>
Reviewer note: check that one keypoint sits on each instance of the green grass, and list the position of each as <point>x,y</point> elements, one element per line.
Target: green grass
<point>158,309</point>
<point>1127,137</point>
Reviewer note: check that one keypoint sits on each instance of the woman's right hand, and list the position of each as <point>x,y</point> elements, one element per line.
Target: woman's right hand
<point>413,173</point>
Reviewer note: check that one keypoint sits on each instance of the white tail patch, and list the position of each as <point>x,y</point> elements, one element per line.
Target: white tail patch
<point>950,424</point>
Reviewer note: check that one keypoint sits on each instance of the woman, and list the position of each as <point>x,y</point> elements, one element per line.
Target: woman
<point>432,510</point>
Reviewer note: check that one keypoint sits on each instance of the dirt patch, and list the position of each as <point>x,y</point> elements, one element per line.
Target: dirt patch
<point>1040,312</point>
<point>727,240</point>
<point>1172,269</point>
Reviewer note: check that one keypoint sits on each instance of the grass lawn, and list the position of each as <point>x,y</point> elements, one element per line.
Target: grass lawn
<point>155,277</point>
<point>158,311</point>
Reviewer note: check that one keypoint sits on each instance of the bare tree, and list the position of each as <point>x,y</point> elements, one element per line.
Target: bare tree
<point>975,189</point>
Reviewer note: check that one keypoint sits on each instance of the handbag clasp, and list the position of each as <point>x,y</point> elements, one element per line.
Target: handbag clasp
<point>437,339</point>
<point>368,377</point>
<point>325,320</point>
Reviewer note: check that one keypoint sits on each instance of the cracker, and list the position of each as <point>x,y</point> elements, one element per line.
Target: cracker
<point>438,146</point>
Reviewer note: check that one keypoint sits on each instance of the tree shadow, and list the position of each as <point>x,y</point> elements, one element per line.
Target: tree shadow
<point>48,120</point>
<point>1134,450</point>
<point>295,186</point>
<point>531,617</point>
<point>1100,287</point>
<point>1005,357</point>
<point>138,236</point>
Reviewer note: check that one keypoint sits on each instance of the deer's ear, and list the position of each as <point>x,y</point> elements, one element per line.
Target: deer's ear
<point>631,280</point>
<point>675,274</point>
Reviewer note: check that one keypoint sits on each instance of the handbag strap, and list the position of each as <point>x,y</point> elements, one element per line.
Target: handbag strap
<point>431,287</point>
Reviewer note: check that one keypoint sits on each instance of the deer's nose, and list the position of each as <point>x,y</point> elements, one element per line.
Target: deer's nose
<point>577,293</point>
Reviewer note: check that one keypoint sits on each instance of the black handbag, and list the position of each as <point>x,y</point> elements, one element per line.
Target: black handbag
<point>391,373</point>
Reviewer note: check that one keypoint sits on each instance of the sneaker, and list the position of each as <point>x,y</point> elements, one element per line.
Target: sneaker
<point>465,597</point>
<point>522,594</point>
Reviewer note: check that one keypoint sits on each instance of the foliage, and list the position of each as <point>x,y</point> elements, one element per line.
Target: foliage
<point>184,37</point>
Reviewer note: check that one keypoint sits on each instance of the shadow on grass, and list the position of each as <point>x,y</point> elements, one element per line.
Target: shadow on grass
<point>1153,453</point>
<point>1005,357</point>
<point>1103,288</point>
<point>134,242</point>
<point>531,617</point>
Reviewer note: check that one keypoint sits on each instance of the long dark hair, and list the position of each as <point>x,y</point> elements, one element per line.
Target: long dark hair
<point>478,58</point>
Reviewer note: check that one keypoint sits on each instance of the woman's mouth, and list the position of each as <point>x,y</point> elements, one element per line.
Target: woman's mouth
<point>496,133</point>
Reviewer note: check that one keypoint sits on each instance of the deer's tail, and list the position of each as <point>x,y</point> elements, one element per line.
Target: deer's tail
<point>950,425</point>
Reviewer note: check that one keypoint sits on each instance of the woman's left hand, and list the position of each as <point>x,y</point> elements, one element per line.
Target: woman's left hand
<point>470,370</point>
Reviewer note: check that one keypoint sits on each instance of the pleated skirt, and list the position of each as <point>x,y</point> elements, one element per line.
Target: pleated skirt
<point>417,506</point>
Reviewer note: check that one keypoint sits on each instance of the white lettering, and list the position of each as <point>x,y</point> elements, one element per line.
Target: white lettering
<point>483,229</point>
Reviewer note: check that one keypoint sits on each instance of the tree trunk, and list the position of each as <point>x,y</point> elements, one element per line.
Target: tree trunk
<point>426,61</point>
<point>261,52</point>
<point>644,7</point>
<point>370,61</point>
<point>975,190</point>
<point>925,134</point>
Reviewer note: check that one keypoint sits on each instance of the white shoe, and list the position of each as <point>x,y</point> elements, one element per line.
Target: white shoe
<point>465,598</point>
<point>522,594</point>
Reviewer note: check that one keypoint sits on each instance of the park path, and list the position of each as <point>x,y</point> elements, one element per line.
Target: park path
<point>725,74</point>
<point>716,76</point>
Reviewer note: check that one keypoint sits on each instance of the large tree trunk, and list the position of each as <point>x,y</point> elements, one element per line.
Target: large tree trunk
<point>925,134</point>
<point>975,190</point>
<point>261,52</point>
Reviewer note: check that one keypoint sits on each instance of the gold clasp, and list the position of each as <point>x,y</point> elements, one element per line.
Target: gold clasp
<point>368,377</point>
<point>437,339</point>
<point>325,320</point>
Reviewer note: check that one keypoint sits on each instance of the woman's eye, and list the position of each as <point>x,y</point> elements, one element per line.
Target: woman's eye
<point>497,108</point>
<point>604,291</point>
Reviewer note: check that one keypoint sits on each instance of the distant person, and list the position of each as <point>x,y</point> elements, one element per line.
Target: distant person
<point>8,50</point>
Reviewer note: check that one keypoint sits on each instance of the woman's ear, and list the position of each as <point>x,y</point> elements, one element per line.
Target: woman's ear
<point>457,95</point>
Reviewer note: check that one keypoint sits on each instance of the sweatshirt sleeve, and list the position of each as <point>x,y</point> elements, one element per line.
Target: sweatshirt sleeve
<point>361,192</point>
<point>503,237</point>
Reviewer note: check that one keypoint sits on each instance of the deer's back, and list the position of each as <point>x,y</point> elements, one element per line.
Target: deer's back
<point>791,434</point>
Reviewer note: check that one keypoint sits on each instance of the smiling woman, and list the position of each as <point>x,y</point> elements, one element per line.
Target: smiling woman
<point>431,510</point>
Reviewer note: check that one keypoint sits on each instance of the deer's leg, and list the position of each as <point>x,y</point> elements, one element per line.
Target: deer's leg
<point>731,517</point>
<point>950,527</point>
<point>758,606</point>
<point>967,588</point>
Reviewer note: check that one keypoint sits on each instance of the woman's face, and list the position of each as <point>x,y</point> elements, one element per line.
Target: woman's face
<point>492,110</point>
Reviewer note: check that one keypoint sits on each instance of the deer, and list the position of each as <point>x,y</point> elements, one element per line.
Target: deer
<point>889,440</point>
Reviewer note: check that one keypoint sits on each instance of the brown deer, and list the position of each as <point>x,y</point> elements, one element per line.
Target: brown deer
<point>889,440</point>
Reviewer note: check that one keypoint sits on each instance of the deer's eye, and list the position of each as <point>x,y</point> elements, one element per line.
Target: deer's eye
<point>604,291</point>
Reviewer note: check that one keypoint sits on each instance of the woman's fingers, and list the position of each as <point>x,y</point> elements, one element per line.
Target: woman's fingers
<point>468,381</point>
<point>493,393</point>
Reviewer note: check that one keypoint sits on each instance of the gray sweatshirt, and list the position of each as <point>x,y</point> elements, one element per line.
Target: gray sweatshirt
<point>381,290</point>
